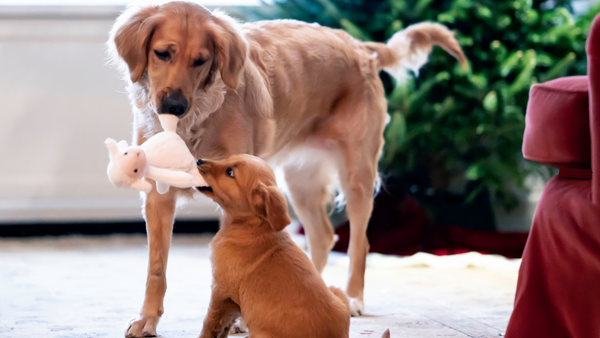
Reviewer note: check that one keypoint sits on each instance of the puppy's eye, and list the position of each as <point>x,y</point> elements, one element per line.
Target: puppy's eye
<point>198,62</point>
<point>230,172</point>
<point>135,171</point>
<point>162,55</point>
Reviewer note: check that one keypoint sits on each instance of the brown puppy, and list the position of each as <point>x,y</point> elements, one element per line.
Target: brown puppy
<point>304,97</point>
<point>258,271</point>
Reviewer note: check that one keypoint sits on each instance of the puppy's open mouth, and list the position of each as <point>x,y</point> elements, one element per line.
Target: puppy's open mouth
<point>204,189</point>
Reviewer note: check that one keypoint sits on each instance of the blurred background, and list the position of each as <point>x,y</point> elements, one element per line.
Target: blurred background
<point>452,158</point>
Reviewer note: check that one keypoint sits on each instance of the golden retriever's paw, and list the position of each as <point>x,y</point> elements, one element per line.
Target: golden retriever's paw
<point>239,326</point>
<point>141,327</point>
<point>357,307</point>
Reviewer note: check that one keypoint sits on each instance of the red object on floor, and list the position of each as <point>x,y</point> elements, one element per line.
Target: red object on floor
<point>558,291</point>
<point>403,228</point>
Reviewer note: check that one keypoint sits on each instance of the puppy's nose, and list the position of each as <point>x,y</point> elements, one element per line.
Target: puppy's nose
<point>199,162</point>
<point>175,104</point>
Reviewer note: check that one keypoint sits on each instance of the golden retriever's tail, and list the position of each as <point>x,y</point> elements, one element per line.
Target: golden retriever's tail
<point>409,48</point>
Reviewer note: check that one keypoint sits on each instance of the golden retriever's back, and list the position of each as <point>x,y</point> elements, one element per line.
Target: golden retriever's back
<point>310,69</point>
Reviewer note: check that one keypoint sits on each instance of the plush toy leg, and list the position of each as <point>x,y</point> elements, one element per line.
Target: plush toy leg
<point>162,187</point>
<point>168,122</point>
<point>142,185</point>
<point>179,179</point>
<point>198,179</point>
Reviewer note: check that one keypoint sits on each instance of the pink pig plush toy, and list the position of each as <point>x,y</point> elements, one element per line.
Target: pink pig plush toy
<point>164,158</point>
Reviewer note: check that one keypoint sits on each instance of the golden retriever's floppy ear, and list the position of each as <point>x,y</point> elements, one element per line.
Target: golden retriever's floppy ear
<point>130,36</point>
<point>273,205</point>
<point>230,49</point>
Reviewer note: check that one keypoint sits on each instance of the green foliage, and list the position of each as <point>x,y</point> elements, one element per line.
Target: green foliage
<point>453,122</point>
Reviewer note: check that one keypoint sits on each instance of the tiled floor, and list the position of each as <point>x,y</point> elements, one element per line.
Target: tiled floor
<point>89,287</point>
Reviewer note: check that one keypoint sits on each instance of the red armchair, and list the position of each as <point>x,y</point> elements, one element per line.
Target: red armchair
<point>558,291</point>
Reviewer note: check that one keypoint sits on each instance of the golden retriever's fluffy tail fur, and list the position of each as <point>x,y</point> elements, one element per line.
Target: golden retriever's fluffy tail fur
<point>409,48</point>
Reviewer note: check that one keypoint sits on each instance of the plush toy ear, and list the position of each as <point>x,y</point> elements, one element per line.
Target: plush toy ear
<point>273,205</point>
<point>122,144</point>
<point>130,37</point>
<point>230,49</point>
<point>112,147</point>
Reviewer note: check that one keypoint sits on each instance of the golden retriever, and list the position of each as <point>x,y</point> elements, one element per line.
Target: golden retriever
<point>306,98</point>
<point>258,271</point>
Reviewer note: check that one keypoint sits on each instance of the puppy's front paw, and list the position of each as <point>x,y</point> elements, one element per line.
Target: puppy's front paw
<point>141,327</point>
<point>357,307</point>
<point>239,326</point>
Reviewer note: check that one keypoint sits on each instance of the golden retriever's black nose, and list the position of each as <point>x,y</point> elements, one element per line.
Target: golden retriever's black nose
<point>175,104</point>
<point>199,162</point>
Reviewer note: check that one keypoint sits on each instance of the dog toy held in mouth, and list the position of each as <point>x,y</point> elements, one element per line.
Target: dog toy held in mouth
<point>163,158</point>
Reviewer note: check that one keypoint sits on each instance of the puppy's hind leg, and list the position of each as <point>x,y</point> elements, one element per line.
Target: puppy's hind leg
<point>309,195</point>
<point>222,312</point>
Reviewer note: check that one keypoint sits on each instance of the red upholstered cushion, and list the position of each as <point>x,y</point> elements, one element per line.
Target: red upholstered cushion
<point>557,128</point>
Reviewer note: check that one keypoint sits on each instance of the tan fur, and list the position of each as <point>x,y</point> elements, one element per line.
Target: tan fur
<point>304,97</point>
<point>258,271</point>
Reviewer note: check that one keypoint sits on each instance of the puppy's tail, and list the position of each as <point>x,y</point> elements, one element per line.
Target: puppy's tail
<point>410,47</point>
<point>386,334</point>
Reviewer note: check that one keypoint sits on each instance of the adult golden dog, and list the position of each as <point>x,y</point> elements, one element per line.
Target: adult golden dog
<point>304,97</point>
<point>258,271</point>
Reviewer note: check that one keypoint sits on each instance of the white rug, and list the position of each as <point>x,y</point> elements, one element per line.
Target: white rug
<point>86,286</point>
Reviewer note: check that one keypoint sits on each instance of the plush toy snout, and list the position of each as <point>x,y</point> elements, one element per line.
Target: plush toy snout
<point>127,164</point>
<point>132,162</point>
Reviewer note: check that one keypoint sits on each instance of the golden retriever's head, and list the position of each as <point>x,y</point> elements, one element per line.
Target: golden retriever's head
<point>178,48</point>
<point>244,185</point>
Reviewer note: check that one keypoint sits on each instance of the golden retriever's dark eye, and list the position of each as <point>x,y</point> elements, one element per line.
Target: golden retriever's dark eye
<point>198,62</point>
<point>230,172</point>
<point>162,55</point>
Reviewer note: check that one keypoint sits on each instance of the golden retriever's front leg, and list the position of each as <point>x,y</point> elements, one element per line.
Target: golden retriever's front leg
<point>222,312</point>
<point>159,212</point>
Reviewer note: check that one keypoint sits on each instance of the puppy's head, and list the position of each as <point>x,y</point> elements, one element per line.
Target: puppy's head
<point>244,185</point>
<point>178,48</point>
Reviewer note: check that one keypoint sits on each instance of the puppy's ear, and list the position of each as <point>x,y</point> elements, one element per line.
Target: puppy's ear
<point>272,205</point>
<point>131,36</point>
<point>230,49</point>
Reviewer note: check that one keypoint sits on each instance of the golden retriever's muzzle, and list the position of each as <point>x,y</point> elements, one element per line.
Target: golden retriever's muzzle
<point>174,103</point>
